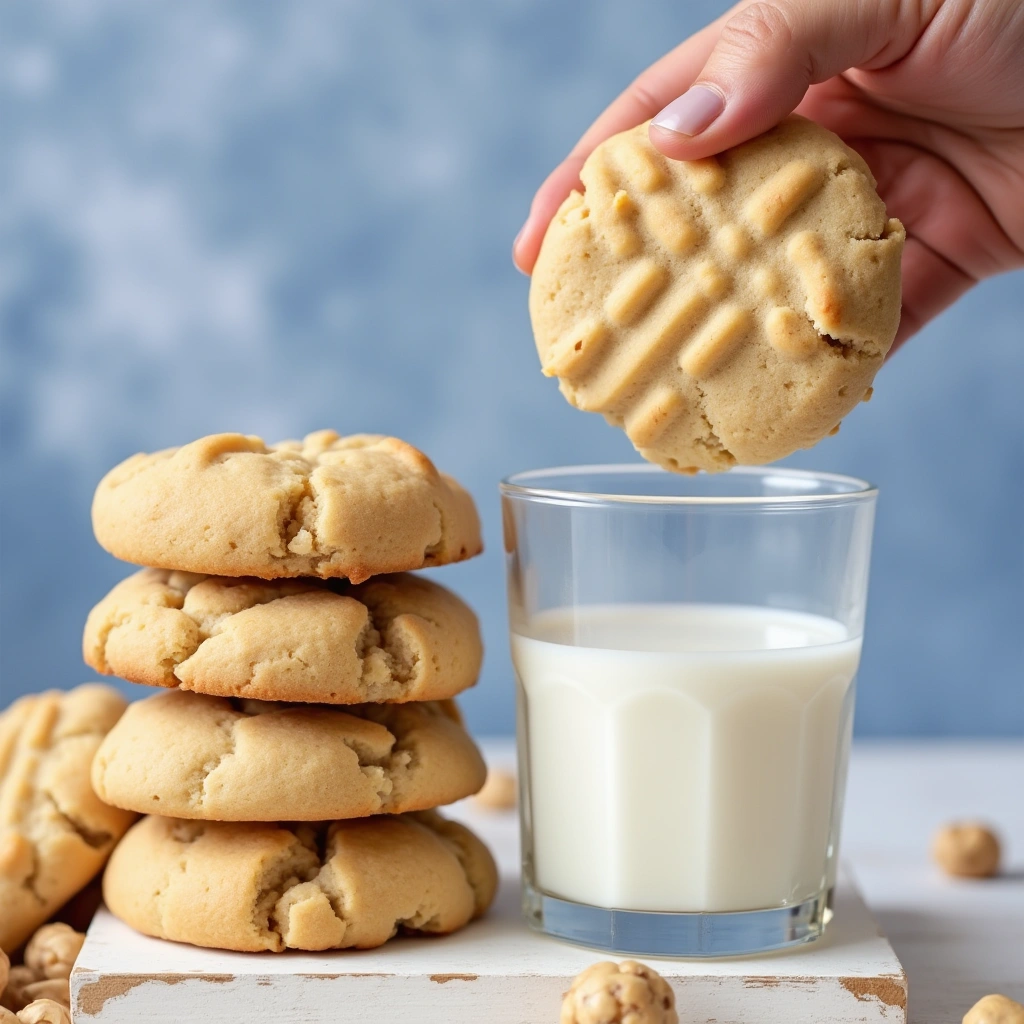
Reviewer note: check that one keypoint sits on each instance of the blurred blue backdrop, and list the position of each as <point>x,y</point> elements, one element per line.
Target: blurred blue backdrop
<point>278,217</point>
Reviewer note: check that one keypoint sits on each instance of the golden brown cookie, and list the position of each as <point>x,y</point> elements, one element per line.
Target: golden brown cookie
<point>327,506</point>
<point>187,755</point>
<point>55,833</point>
<point>393,638</point>
<point>725,310</point>
<point>256,887</point>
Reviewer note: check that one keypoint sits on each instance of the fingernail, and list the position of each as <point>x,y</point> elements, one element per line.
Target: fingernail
<point>692,112</point>
<point>515,245</point>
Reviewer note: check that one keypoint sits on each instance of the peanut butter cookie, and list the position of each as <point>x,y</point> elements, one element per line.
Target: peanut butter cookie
<point>187,755</point>
<point>327,506</point>
<point>252,887</point>
<point>55,833</point>
<point>725,310</point>
<point>393,638</point>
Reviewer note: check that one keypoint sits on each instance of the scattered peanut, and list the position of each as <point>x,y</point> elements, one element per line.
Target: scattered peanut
<point>57,989</point>
<point>966,849</point>
<point>625,993</point>
<point>52,951</point>
<point>995,1009</point>
<point>45,1011</point>
<point>499,791</point>
<point>14,996</point>
<point>41,983</point>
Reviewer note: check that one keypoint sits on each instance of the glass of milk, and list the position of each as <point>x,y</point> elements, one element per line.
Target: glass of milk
<point>685,651</point>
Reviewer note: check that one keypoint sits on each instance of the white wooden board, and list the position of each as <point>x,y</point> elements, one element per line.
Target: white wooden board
<point>494,972</point>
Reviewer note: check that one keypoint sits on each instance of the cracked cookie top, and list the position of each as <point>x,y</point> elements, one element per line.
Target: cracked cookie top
<point>338,885</point>
<point>393,638</point>
<point>55,833</point>
<point>187,755</point>
<point>725,310</point>
<point>327,506</point>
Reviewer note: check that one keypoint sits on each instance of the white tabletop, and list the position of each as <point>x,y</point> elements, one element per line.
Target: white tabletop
<point>957,939</point>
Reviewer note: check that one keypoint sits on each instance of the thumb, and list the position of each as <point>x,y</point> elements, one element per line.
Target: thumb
<point>766,56</point>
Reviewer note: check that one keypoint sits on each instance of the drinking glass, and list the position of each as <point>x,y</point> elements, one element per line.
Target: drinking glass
<point>685,652</point>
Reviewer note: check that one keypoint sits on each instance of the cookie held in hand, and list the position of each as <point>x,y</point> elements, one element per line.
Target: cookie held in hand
<point>721,311</point>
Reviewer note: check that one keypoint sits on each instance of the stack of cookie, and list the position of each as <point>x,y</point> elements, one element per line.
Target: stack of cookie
<point>290,776</point>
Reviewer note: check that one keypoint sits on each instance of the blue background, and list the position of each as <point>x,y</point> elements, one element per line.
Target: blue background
<point>278,217</point>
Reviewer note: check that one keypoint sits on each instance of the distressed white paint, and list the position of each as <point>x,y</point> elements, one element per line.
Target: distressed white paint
<point>959,940</point>
<point>509,976</point>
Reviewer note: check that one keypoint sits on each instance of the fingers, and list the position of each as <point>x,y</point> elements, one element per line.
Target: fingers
<point>647,95</point>
<point>558,184</point>
<point>930,284</point>
<point>653,89</point>
<point>766,55</point>
<point>734,79</point>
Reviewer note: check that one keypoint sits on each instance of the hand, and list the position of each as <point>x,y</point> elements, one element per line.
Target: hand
<point>930,93</point>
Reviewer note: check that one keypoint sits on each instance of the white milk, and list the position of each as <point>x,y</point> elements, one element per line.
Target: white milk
<point>685,757</point>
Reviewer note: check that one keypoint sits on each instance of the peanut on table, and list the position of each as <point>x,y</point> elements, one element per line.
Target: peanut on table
<point>37,991</point>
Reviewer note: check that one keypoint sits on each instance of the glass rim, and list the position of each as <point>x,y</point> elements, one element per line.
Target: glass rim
<point>514,486</point>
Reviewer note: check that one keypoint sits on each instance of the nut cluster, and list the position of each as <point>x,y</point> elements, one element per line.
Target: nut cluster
<point>38,991</point>
<point>625,993</point>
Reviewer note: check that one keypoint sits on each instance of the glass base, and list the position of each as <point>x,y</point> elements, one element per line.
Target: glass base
<point>677,935</point>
